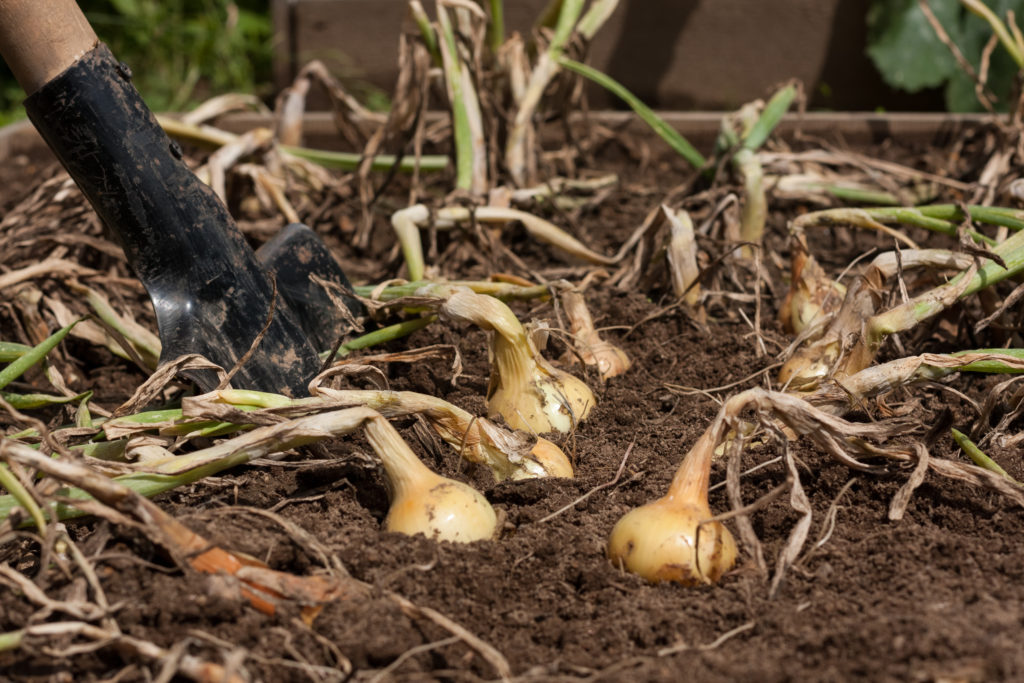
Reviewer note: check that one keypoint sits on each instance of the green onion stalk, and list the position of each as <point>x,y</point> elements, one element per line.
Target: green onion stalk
<point>755,130</point>
<point>941,218</point>
<point>666,132</point>
<point>467,121</point>
<point>978,456</point>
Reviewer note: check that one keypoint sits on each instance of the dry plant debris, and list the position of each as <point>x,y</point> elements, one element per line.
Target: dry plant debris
<point>818,327</point>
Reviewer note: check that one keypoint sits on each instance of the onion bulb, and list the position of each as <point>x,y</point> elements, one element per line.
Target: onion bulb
<point>665,541</point>
<point>526,390</point>
<point>424,502</point>
<point>812,297</point>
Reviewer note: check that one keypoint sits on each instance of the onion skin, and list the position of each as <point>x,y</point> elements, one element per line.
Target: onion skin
<point>524,389</point>
<point>424,502</point>
<point>552,459</point>
<point>447,511</point>
<point>531,394</point>
<point>659,541</point>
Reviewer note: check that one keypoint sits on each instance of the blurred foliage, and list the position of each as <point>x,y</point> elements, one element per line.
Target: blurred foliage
<point>910,56</point>
<point>180,51</point>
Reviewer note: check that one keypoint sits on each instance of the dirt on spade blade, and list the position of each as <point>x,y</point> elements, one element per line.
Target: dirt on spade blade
<point>936,596</point>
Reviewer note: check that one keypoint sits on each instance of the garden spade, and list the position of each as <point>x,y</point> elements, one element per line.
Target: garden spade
<point>211,294</point>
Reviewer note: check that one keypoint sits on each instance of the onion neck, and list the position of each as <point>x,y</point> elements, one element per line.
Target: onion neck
<point>690,484</point>
<point>513,360</point>
<point>405,471</point>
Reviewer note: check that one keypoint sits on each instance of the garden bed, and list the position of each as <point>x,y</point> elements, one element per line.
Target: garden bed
<point>934,596</point>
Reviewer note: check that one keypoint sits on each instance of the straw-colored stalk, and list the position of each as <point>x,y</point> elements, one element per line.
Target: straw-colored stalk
<point>754,213</point>
<point>407,222</point>
<point>521,164</point>
<point>210,136</point>
<point>506,291</point>
<point>848,392</point>
<point>682,257</point>
<point>509,455</point>
<point>835,356</point>
<point>755,121</point>
<point>609,359</point>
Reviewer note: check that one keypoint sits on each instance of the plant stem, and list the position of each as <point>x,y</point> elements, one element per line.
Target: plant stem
<point>770,117</point>
<point>427,32</point>
<point>666,132</point>
<point>20,365</point>
<point>930,218</point>
<point>463,135</point>
<point>924,306</point>
<point>12,351</point>
<point>496,33</point>
<point>505,291</point>
<point>11,640</point>
<point>384,334</point>
<point>980,9</point>
<point>519,137</point>
<point>978,456</point>
<point>186,469</point>
<point>346,161</point>
<point>860,195</point>
<point>14,487</point>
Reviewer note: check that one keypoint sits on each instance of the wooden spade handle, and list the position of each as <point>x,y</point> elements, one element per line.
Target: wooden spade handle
<point>39,39</point>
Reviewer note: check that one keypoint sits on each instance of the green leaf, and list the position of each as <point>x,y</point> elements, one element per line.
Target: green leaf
<point>977,456</point>
<point>904,47</point>
<point>32,401</point>
<point>17,368</point>
<point>973,34</point>
<point>12,351</point>
<point>667,133</point>
<point>773,112</point>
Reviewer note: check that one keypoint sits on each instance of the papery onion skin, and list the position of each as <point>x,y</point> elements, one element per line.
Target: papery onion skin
<point>531,394</point>
<point>552,459</point>
<point>665,539</point>
<point>659,542</point>
<point>447,511</point>
<point>524,389</point>
<point>422,501</point>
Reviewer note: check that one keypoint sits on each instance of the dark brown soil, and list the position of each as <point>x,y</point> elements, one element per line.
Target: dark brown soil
<point>938,596</point>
